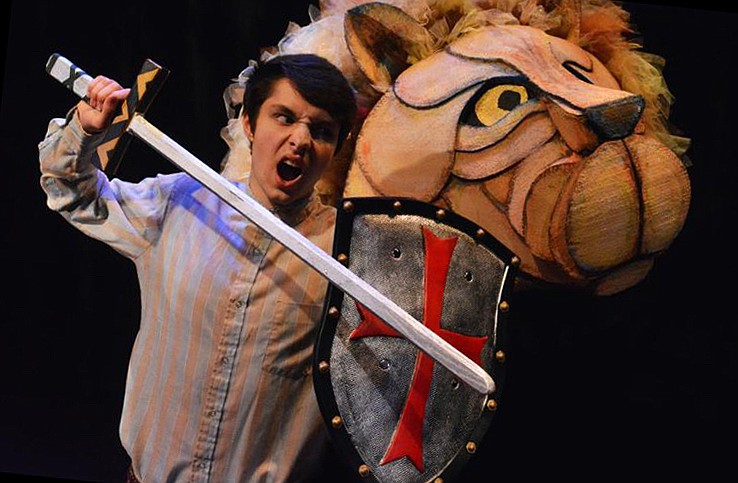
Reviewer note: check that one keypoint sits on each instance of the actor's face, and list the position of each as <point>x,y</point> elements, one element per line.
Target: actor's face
<point>292,143</point>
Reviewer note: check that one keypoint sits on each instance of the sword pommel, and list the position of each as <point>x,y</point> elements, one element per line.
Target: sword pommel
<point>143,91</point>
<point>71,76</point>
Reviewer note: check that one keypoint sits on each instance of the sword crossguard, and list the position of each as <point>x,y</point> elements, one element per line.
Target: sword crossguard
<point>143,91</point>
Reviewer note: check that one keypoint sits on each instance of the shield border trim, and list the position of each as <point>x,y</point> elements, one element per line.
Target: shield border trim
<point>348,210</point>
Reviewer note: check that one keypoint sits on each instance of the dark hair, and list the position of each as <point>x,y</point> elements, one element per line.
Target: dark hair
<point>316,79</point>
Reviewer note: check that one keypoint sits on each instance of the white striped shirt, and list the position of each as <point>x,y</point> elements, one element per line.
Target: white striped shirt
<point>219,386</point>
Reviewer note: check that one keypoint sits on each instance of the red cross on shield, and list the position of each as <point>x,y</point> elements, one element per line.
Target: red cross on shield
<point>407,439</point>
<point>395,414</point>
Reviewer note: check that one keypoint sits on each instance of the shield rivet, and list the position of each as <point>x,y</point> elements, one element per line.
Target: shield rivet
<point>364,471</point>
<point>397,206</point>
<point>515,261</point>
<point>323,366</point>
<point>491,405</point>
<point>438,480</point>
<point>348,206</point>
<point>333,313</point>
<point>500,356</point>
<point>468,276</point>
<point>504,306</point>
<point>337,422</point>
<point>471,447</point>
<point>440,214</point>
<point>480,234</point>
<point>396,253</point>
<point>342,258</point>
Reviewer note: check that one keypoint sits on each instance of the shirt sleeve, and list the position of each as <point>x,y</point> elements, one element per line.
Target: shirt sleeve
<point>126,216</point>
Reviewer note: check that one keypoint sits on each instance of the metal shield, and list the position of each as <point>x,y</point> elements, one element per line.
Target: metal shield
<point>395,414</point>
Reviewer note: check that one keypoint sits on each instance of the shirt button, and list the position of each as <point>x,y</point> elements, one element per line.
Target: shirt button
<point>212,413</point>
<point>239,304</point>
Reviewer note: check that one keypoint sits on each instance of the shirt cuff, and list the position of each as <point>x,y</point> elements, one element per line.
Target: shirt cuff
<point>85,142</point>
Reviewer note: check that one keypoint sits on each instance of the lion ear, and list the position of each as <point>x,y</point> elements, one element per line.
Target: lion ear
<point>572,19</point>
<point>382,40</point>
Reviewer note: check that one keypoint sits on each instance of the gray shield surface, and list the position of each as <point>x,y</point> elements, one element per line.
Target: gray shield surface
<point>397,415</point>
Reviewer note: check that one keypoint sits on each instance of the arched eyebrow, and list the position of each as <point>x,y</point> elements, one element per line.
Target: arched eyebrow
<point>577,70</point>
<point>412,86</point>
<point>281,109</point>
<point>322,127</point>
<point>321,119</point>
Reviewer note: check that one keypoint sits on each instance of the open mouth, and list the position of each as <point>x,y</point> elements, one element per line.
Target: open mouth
<point>288,171</point>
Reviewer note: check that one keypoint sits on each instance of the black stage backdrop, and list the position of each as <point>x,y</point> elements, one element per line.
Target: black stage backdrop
<point>643,383</point>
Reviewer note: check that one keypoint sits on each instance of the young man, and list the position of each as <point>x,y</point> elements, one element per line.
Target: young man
<point>219,386</point>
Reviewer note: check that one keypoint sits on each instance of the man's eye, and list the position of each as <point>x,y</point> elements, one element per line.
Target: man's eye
<point>324,133</point>
<point>285,118</point>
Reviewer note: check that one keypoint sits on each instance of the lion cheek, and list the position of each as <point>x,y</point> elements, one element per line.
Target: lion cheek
<point>665,192</point>
<point>407,152</point>
<point>605,217</point>
<point>603,220</point>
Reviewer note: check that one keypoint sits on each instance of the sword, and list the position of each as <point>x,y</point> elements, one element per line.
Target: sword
<point>131,120</point>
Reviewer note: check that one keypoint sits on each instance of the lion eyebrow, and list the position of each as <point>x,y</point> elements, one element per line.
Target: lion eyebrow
<point>575,68</point>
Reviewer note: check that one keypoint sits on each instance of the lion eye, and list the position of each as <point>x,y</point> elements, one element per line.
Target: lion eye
<point>496,102</point>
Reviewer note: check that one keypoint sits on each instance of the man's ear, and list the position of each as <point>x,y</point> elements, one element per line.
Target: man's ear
<point>247,127</point>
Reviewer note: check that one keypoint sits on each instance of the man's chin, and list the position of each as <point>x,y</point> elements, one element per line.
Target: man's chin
<point>286,199</point>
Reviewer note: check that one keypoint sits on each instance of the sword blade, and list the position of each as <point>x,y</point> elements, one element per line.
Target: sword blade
<point>384,308</point>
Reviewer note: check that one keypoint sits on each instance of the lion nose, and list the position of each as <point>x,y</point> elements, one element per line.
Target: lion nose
<point>615,120</point>
<point>586,128</point>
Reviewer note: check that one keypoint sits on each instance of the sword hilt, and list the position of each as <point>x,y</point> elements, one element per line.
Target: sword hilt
<point>115,139</point>
<point>71,76</point>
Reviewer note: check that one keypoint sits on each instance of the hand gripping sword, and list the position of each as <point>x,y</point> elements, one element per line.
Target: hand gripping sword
<point>131,120</point>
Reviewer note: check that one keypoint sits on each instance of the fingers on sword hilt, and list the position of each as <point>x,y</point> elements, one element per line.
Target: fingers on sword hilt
<point>143,91</point>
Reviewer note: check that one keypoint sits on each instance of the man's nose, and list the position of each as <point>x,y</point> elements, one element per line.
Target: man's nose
<point>300,136</point>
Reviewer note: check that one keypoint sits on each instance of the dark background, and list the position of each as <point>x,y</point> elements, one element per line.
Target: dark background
<point>643,383</point>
